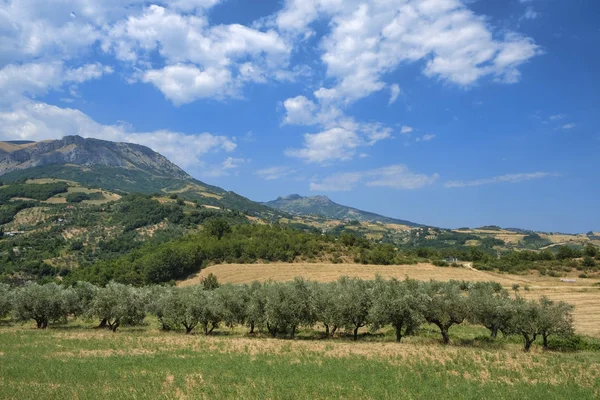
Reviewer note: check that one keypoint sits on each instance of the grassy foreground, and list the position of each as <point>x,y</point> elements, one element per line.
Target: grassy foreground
<point>78,362</point>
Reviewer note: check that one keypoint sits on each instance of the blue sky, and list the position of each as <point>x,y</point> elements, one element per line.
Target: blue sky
<point>444,112</point>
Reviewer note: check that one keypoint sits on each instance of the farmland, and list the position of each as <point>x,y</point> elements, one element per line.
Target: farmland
<point>582,294</point>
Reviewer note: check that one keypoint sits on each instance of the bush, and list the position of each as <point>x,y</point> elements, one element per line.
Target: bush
<point>77,197</point>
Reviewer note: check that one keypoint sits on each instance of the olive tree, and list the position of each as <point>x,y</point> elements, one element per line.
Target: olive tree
<point>5,300</point>
<point>232,300</point>
<point>447,306</point>
<point>398,303</point>
<point>490,307</point>
<point>279,307</point>
<point>526,318</point>
<point>325,305</point>
<point>42,303</point>
<point>118,304</point>
<point>353,303</point>
<point>255,306</point>
<point>556,318</point>
<point>206,307</point>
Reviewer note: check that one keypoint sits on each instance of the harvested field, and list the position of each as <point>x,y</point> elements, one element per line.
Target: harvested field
<point>581,294</point>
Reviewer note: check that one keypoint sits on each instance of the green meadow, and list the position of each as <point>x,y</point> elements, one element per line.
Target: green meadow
<point>77,361</point>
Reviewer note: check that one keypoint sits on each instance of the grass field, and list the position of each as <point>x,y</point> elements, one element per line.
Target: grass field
<point>584,296</point>
<point>79,362</point>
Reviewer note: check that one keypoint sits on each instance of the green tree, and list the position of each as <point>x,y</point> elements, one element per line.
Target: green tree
<point>447,306</point>
<point>5,300</point>
<point>490,308</point>
<point>556,318</point>
<point>526,319</point>
<point>588,262</point>
<point>118,304</point>
<point>255,306</point>
<point>210,282</point>
<point>325,305</point>
<point>217,227</point>
<point>590,250</point>
<point>353,303</point>
<point>42,303</point>
<point>398,303</point>
<point>232,300</point>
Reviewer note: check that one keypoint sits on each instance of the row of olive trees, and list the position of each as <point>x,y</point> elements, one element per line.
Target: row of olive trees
<point>283,308</point>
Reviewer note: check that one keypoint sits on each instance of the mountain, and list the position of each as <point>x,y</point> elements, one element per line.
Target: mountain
<point>75,150</point>
<point>117,167</point>
<point>322,205</point>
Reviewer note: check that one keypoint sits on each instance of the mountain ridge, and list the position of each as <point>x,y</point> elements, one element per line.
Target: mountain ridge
<point>322,205</point>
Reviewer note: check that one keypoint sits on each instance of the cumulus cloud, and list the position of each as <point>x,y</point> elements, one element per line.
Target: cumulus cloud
<point>394,176</point>
<point>202,60</point>
<point>368,40</point>
<point>509,178</point>
<point>39,121</point>
<point>36,79</point>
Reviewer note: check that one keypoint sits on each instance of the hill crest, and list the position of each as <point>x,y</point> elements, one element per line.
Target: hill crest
<point>324,206</point>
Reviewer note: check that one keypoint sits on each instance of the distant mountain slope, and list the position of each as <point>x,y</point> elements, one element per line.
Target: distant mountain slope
<point>75,150</point>
<point>121,167</point>
<point>322,205</point>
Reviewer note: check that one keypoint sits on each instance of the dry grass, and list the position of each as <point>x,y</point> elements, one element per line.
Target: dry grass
<point>581,294</point>
<point>28,217</point>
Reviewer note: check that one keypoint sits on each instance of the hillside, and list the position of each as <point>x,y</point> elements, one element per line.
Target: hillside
<point>117,167</point>
<point>323,206</point>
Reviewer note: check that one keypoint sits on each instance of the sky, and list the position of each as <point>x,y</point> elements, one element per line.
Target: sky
<point>451,113</point>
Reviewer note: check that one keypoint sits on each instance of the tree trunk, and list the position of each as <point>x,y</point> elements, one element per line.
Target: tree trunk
<point>205,325</point>
<point>528,341</point>
<point>326,329</point>
<point>494,331</point>
<point>545,337</point>
<point>356,333</point>
<point>398,332</point>
<point>103,323</point>
<point>333,330</point>
<point>38,323</point>
<point>252,327</point>
<point>212,327</point>
<point>188,329</point>
<point>115,325</point>
<point>293,333</point>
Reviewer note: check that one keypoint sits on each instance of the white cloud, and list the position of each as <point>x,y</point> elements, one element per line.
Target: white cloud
<point>299,111</point>
<point>202,60</point>
<point>557,117</point>
<point>334,144</point>
<point>394,176</point>
<point>39,121</point>
<point>368,40</point>
<point>530,14</point>
<point>509,178</point>
<point>406,129</point>
<point>394,93</point>
<point>273,173</point>
<point>426,137</point>
<point>570,125</point>
<point>185,83</point>
<point>36,79</point>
